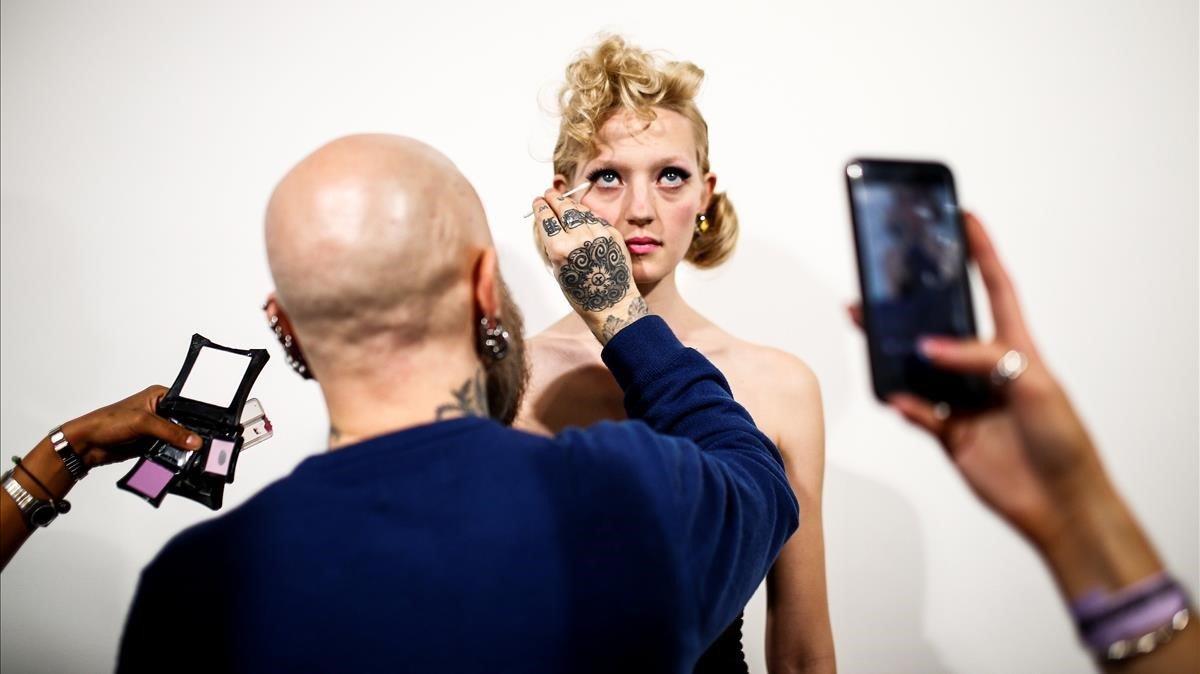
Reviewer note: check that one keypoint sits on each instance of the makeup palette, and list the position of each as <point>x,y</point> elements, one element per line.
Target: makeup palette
<point>150,479</point>
<point>204,400</point>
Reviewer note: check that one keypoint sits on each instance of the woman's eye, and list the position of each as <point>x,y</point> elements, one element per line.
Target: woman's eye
<point>672,176</point>
<point>604,178</point>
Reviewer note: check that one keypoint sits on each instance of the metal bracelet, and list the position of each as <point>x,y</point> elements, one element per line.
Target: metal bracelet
<point>66,452</point>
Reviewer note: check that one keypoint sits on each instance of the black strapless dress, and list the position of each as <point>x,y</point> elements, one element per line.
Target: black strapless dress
<point>725,655</point>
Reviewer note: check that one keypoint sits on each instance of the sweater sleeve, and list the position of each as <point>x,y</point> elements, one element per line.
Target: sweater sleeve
<point>717,482</point>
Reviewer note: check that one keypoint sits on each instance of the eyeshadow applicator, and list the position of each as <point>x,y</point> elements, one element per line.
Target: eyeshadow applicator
<point>578,188</point>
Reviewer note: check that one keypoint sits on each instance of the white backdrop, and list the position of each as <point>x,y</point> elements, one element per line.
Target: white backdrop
<point>140,142</point>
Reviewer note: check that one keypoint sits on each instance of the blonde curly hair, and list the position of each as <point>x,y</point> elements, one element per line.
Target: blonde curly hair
<point>615,76</point>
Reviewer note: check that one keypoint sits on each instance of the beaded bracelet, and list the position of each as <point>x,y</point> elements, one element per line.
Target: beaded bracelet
<point>1134,620</point>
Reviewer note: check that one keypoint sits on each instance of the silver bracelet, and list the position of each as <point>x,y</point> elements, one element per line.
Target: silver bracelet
<point>66,452</point>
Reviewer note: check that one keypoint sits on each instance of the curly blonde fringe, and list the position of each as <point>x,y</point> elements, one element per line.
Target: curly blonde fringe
<point>615,76</point>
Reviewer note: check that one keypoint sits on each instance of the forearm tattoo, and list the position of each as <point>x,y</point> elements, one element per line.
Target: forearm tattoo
<point>596,275</point>
<point>551,226</point>
<point>573,218</point>
<point>613,324</point>
<point>470,399</point>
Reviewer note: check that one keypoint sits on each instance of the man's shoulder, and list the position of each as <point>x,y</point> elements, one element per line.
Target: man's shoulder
<point>230,530</point>
<point>281,508</point>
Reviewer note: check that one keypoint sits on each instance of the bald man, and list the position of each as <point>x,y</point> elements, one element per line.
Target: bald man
<point>432,537</point>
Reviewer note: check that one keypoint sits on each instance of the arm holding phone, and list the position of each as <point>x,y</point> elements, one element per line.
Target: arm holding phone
<point>1032,462</point>
<point>107,435</point>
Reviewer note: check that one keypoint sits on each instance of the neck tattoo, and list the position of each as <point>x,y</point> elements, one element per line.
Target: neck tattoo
<point>470,399</point>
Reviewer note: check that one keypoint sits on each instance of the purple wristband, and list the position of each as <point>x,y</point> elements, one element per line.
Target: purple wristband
<point>1129,613</point>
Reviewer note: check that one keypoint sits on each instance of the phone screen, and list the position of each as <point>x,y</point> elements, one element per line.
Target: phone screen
<point>912,262</point>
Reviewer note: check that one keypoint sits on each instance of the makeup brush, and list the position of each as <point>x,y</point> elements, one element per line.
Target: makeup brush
<point>578,188</point>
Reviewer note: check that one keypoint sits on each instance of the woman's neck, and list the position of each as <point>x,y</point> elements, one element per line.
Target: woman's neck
<point>664,299</point>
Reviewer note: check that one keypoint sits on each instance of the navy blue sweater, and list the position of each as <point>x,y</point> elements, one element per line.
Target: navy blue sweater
<point>466,546</point>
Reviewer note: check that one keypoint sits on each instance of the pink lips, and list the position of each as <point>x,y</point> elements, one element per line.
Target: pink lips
<point>641,245</point>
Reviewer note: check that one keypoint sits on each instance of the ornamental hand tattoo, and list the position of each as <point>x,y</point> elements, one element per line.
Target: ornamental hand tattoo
<point>595,275</point>
<point>613,324</point>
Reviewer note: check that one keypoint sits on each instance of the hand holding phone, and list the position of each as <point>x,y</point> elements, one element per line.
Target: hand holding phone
<point>911,249</point>
<point>1028,456</point>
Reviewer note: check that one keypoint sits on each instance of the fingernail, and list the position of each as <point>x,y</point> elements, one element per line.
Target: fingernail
<point>929,346</point>
<point>193,440</point>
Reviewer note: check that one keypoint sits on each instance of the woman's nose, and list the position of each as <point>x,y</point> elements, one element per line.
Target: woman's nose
<point>639,212</point>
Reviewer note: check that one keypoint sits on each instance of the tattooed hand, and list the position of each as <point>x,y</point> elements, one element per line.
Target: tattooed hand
<point>591,264</point>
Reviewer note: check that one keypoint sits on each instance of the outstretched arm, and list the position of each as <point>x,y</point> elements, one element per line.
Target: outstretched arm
<point>103,436</point>
<point>1031,460</point>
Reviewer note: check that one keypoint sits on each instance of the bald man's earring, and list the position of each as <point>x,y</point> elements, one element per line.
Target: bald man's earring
<point>493,341</point>
<point>701,224</point>
<point>294,357</point>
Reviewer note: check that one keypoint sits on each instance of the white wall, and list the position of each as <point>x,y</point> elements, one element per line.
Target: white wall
<point>140,142</point>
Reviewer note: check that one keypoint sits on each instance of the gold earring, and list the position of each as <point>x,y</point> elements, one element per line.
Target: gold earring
<point>701,224</point>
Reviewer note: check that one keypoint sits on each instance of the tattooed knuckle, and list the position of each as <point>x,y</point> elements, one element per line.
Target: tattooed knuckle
<point>573,217</point>
<point>576,217</point>
<point>551,226</point>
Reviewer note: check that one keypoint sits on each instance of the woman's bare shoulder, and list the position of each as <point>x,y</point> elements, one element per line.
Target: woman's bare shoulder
<point>553,350</point>
<point>551,355</point>
<point>786,401</point>
<point>771,369</point>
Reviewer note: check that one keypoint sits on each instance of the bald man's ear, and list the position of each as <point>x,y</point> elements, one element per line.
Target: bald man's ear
<point>272,309</point>
<point>281,325</point>
<point>487,285</point>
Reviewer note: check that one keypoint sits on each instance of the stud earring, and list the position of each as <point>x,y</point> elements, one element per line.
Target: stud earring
<point>493,341</point>
<point>291,350</point>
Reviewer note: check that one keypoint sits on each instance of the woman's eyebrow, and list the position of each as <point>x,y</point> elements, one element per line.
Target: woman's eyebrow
<point>602,164</point>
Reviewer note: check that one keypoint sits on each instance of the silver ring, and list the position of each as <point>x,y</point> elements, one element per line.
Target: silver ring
<point>941,411</point>
<point>1010,366</point>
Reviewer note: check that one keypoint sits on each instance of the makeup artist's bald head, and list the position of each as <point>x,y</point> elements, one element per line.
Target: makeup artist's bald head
<point>373,240</point>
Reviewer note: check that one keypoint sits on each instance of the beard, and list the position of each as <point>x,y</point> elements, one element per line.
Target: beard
<point>507,377</point>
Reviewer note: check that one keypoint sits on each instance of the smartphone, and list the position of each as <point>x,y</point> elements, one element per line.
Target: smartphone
<point>912,269</point>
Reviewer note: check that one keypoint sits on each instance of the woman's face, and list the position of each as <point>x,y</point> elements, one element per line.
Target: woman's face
<point>646,182</point>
